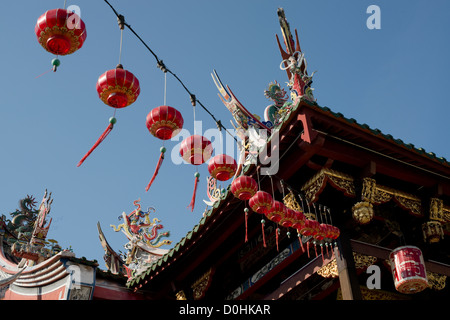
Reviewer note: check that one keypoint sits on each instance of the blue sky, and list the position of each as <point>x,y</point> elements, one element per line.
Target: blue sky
<point>394,79</point>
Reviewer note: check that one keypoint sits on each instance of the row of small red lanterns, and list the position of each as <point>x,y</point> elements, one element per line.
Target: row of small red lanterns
<point>246,188</point>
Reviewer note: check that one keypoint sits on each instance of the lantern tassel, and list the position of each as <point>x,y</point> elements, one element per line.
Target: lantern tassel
<point>307,248</point>
<point>321,251</point>
<point>100,139</point>
<point>276,237</point>
<point>264,236</point>
<point>246,222</point>
<point>301,243</point>
<point>315,249</point>
<point>192,204</point>
<point>158,166</point>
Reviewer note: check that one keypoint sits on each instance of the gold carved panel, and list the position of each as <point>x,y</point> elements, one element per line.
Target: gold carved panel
<point>341,181</point>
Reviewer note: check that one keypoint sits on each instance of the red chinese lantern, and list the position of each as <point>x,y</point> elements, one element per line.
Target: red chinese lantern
<point>277,212</point>
<point>163,122</point>
<point>222,167</point>
<point>244,187</point>
<point>118,88</point>
<point>261,203</point>
<point>290,218</point>
<point>321,234</point>
<point>196,150</point>
<point>60,32</point>
<point>408,269</point>
<point>309,228</point>
<point>298,220</point>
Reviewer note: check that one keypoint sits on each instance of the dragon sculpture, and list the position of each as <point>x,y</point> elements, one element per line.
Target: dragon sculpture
<point>144,240</point>
<point>26,232</point>
<point>294,62</point>
<point>253,132</point>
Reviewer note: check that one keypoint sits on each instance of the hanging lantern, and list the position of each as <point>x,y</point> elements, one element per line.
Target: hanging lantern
<point>118,88</point>
<point>291,218</point>
<point>196,149</point>
<point>261,202</point>
<point>363,212</point>
<point>163,122</point>
<point>309,228</point>
<point>298,220</point>
<point>433,231</point>
<point>277,212</point>
<point>222,167</point>
<point>60,32</point>
<point>408,269</point>
<point>244,187</point>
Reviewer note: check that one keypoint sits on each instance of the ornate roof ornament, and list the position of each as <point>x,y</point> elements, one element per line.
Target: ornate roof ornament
<point>144,240</point>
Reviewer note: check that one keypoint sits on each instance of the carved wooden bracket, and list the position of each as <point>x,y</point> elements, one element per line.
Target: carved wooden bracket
<point>202,284</point>
<point>377,194</point>
<point>341,181</point>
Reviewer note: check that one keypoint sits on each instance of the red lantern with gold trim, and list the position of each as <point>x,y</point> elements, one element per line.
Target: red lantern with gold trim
<point>117,88</point>
<point>163,122</point>
<point>196,149</point>
<point>60,32</point>
<point>222,167</point>
<point>261,203</point>
<point>309,228</point>
<point>298,220</point>
<point>277,212</point>
<point>244,187</point>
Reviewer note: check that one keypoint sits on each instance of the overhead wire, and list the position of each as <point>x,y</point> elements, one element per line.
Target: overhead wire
<point>160,64</point>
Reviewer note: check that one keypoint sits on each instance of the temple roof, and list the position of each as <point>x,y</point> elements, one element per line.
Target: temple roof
<point>405,152</point>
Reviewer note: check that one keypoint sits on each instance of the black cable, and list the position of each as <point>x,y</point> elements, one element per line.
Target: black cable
<point>160,64</point>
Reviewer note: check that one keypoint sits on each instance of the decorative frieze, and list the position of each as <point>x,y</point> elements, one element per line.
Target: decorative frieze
<point>341,181</point>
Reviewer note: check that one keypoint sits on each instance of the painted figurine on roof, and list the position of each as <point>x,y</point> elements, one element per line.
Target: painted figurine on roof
<point>254,132</point>
<point>144,241</point>
<point>33,267</point>
<point>26,232</point>
<point>294,62</point>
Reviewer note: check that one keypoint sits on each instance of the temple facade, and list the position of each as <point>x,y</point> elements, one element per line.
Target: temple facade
<point>388,200</point>
<point>360,215</point>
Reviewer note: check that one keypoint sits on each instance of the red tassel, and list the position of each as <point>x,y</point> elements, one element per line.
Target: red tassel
<point>276,237</point>
<point>315,249</point>
<point>246,220</point>
<point>326,244</point>
<point>192,204</point>
<point>321,251</point>
<point>301,242</point>
<point>102,137</point>
<point>160,161</point>
<point>307,248</point>
<point>264,236</point>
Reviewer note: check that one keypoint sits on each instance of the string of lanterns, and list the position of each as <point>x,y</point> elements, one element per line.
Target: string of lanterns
<point>318,233</point>
<point>62,32</point>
